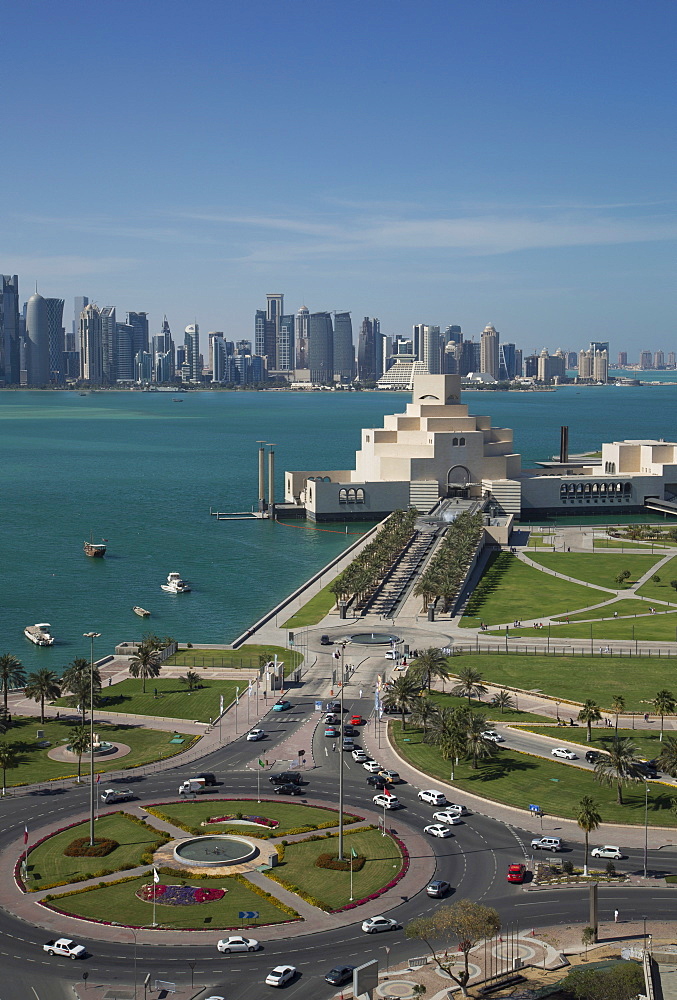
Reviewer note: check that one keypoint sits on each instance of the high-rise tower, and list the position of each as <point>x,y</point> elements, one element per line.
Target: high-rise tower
<point>489,351</point>
<point>302,337</point>
<point>57,340</point>
<point>91,352</point>
<point>9,329</point>
<point>192,344</point>
<point>321,353</point>
<point>344,350</point>
<point>37,341</point>
<point>369,353</point>
<point>284,348</point>
<point>108,337</point>
<point>139,320</point>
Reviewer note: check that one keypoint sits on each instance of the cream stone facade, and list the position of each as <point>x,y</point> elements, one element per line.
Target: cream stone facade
<point>434,449</point>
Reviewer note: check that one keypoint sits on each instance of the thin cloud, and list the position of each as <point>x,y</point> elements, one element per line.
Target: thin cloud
<point>67,265</point>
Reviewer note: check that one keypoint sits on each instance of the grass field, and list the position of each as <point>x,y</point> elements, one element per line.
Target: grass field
<point>173,700</point>
<point>495,714</point>
<point>624,606</point>
<point>384,860</point>
<point>648,744</point>
<point>662,591</point>
<point>576,678</point>
<point>147,745</point>
<point>648,628</point>
<point>519,780</point>
<point>48,864</point>
<point>289,815</point>
<point>615,543</point>
<point>538,541</point>
<point>120,900</point>
<point>246,656</point>
<point>510,590</point>
<point>599,568</point>
<point>314,610</point>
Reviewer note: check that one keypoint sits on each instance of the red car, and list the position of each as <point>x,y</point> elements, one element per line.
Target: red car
<point>356,720</point>
<point>516,873</point>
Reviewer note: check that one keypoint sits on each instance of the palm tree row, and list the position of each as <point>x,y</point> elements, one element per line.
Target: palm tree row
<point>365,572</point>
<point>446,571</point>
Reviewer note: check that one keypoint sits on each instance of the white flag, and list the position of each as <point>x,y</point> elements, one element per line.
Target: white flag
<point>251,689</point>
<point>156,877</point>
<point>221,706</point>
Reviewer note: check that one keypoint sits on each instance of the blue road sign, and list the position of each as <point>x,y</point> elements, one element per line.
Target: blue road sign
<point>248,914</point>
<point>534,809</point>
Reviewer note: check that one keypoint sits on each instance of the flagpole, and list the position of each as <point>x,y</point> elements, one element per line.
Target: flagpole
<point>237,701</point>
<point>351,874</point>
<point>156,879</point>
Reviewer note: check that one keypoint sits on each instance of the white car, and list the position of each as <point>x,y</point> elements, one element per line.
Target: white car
<point>226,945</point>
<point>437,830</point>
<point>563,752</point>
<point>360,756</point>
<point>608,851</point>
<point>256,734</point>
<point>372,925</point>
<point>280,975</point>
<point>491,736</point>
<point>392,654</point>
<point>433,797</point>
<point>387,801</point>
<point>456,808</point>
<point>372,766</point>
<point>449,817</point>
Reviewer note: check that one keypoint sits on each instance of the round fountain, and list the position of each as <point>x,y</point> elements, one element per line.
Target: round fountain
<point>101,749</point>
<point>374,638</point>
<point>217,851</point>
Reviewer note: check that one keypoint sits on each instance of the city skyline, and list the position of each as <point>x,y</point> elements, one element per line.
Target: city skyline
<point>526,178</point>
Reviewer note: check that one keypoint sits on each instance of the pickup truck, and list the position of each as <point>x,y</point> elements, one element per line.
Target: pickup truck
<point>116,795</point>
<point>66,947</point>
<point>193,786</point>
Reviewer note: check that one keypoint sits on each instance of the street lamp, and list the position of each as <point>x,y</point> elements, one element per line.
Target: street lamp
<point>91,636</point>
<point>645,920</point>
<point>646,822</point>
<point>340,835</point>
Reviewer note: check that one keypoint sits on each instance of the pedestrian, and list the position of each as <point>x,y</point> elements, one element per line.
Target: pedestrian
<point>615,916</point>
<point>615,614</point>
<point>360,692</point>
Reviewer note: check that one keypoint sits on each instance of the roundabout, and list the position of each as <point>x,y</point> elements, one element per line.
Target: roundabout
<point>215,851</point>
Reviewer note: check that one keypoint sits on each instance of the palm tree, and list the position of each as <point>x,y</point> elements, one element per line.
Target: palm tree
<point>423,712</point>
<point>78,679</point>
<point>43,686</point>
<point>469,684</point>
<point>9,758</point>
<point>191,680</point>
<point>402,694</point>
<point>503,699</point>
<point>477,747</point>
<point>617,707</point>
<point>664,704</point>
<point>620,766</point>
<point>667,758</point>
<point>145,663</point>
<point>588,714</point>
<point>78,742</point>
<point>431,663</point>
<point>12,674</point>
<point>588,819</point>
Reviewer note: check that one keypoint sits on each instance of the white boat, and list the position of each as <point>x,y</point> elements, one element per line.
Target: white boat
<point>39,634</point>
<point>141,612</point>
<point>175,585</point>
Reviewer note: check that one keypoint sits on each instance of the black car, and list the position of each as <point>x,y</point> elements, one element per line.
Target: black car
<point>592,756</point>
<point>340,975</point>
<point>325,641</point>
<point>648,768</point>
<point>349,730</point>
<point>438,887</point>
<point>335,706</point>
<point>288,789</point>
<point>286,777</point>
<point>207,777</point>
<point>377,781</point>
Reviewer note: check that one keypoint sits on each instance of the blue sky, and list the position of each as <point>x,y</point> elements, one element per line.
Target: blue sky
<point>434,162</point>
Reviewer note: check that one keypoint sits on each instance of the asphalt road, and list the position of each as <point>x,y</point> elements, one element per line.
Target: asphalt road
<point>474,861</point>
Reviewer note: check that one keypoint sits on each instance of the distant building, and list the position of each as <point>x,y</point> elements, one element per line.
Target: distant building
<point>530,366</point>
<point>37,341</point>
<point>108,352</point>
<point>265,336</point>
<point>192,366</point>
<point>369,358</point>
<point>585,365</point>
<point>572,359</point>
<point>344,350</point>
<point>302,337</point>
<point>645,360</point>
<point>453,335</point>
<point>124,352</point>
<point>489,351</point>
<point>57,340</point>
<point>430,351</point>
<point>518,362</point>
<point>143,367</point>
<point>550,366</point>
<point>600,366</point>
<point>321,352</point>
<point>9,329</point>
<point>139,320</point>
<point>506,362</point>
<point>91,350</point>
<point>73,340</point>
<point>671,359</point>
<point>285,350</point>
<point>658,360</point>
<point>600,345</point>
<point>622,359</point>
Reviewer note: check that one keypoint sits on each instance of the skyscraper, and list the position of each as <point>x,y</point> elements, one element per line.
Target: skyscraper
<point>469,357</point>
<point>622,359</point>
<point>489,351</point>
<point>274,311</point>
<point>108,338</point>
<point>265,336</point>
<point>344,351</point>
<point>124,352</point>
<point>139,320</point>
<point>506,361</point>
<point>211,337</point>
<point>57,340</point>
<point>645,360</point>
<point>284,348</point>
<point>193,362</point>
<point>321,353</point>
<point>658,360</point>
<point>430,348</point>
<point>37,341</point>
<point>369,361</point>
<point>79,303</point>
<point>91,354</point>
<point>302,337</point>
<point>9,329</point>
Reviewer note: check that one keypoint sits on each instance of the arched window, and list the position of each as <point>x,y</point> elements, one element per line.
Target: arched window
<point>563,490</point>
<point>461,441</point>
<point>343,496</point>
<point>455,442</point>
<point>602,487</point>
<point>627,488</point>
<point>351,496</point>
<point>359,498</point>
<point>587,489</point>
<point>571,488</point>
<point>326,479</point>
<point>579,489</point>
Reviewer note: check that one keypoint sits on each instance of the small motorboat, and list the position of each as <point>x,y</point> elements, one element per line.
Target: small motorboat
<point>141,612</point>
<point>39,634</point>
<point>175,585</point>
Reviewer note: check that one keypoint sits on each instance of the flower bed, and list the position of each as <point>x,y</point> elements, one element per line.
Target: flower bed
<point>178,895</point>
<point>81,848</point>
<point>258,820</point>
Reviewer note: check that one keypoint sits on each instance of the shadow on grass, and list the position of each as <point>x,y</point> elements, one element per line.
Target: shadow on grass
<point>492,579</point>
<point>493,770</point>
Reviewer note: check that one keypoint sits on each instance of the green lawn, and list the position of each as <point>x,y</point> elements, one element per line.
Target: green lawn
<point>147,745</point>
<point>629,546</point>
<point>648,628</point>
<point>624,606</point>
<point>173,700</point>
<point>662,591</point>
<point>495,714</point>
<point>647,743</point>
<point>289,814</point>
<point>246,656</point>
<point>537,541</point>
<point>576,678</point>
<point>510,590</point>
<point>384,861</point>
<point>48,864</point>
<point>520,780</point>
<point>599,568</point>
<point>120,900</point>
<point>314,610</point>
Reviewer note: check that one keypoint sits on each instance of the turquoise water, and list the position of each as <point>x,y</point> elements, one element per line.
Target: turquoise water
<point>143,471</point>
